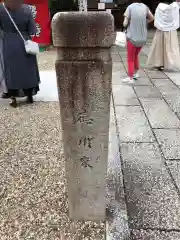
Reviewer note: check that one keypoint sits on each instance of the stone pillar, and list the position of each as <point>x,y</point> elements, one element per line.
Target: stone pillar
<point>84,72</point>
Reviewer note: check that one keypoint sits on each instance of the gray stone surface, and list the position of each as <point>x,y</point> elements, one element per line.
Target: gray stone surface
<point>133,125</point>
<point>117,76</point>
<point>117,66</point>
<point>170,92</point>
<point>159,113</point>
<point>152,199</point>
<point>124,95</point>
<point>117,224</point>
<point>116,58</point>
<point>142,73</point>
<point>165,85</point>
<point>84,77</point>
<point>155,74</point>
<point>174,76</point>
<point>174,167</point>
<point>67,33</point>
<point>143,81</point>
<point>147,91</point>
<point>154,235</point>
<point>83,99</point>
<point>169,140</point>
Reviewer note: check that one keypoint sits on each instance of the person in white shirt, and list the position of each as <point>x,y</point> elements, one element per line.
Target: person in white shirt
<point>164,52</point>
<point>136,17</point>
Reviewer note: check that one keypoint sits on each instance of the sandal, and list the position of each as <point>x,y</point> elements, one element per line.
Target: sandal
<point>13,102</point>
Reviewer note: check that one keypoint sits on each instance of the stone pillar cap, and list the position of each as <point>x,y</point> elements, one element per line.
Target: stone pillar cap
<point>83,29</point>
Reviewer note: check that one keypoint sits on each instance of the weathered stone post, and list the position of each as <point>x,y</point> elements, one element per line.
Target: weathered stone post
<point>84,71</point>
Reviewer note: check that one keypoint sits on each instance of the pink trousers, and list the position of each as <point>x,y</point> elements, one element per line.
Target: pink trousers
<point>132,58</point>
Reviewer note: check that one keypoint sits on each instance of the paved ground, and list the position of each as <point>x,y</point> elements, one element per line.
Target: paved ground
<point>147,117</point>
<point>143,185</point>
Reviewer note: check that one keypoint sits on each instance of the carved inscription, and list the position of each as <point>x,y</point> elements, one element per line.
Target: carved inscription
<point>83,118</point>
<point>86,142</point>
<point>85,162</point>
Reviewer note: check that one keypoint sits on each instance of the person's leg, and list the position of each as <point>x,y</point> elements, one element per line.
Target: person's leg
<point>130,61</point>
<point>28,92</point>
<point>12,94</point>
<point>131,50</point>
<point>136,61</point>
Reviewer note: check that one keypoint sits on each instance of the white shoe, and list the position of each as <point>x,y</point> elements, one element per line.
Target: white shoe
<point>136,75</point>
<point>128,80</point>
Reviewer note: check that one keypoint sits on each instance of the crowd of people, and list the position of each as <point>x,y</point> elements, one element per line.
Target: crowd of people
<point>164,51</point>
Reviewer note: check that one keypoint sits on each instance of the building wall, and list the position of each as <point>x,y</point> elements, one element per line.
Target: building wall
<point>118,8</point>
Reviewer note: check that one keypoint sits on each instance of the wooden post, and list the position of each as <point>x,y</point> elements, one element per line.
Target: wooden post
<point>84,71</point>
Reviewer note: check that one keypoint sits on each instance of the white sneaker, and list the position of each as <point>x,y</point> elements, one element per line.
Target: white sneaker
<point>136,75</point>
<point>128,80</point>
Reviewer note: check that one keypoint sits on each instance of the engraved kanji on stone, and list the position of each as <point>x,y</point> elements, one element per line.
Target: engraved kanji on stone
<point>85,162</point>
<point>83,118</point>
<point>86,141</point>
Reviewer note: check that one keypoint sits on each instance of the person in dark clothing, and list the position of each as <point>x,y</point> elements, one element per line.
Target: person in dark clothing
<point>21,72</point>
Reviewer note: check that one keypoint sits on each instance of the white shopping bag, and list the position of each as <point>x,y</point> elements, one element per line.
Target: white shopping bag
<point>121,39</point>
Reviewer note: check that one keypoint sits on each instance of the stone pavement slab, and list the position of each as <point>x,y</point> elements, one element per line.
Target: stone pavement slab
<point>152,200</point>
<point>170,92</point>
<point>124,95</point>
<point>155,74</point>
<point>117,76</point>
<point>164,85</point>
<point>147,91</point>
<point>174,76</point>
<point>151,181</point>
<point>133,125</point>
<point>159,113</point>
<point>169,140</point>
<point>143,81</point>
<point>142,73</point>
<point>116,58</point>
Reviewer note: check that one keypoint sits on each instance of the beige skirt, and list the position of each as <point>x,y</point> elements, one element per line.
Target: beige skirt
<point>164,51</point>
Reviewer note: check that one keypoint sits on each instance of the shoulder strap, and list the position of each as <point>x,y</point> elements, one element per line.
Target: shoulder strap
<point>13,22</point>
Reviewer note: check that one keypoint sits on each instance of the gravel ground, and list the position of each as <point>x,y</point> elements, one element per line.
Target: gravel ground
<point>46,60</point>
<point>33,193</point>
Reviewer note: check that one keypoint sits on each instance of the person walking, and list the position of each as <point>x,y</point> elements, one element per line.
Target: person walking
<point>164,52</point>
<point>136,18</point>
<point>21,72</point>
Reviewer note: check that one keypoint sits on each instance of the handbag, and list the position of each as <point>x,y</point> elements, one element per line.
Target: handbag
<point>121,40</point>
<point>31,47</point>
